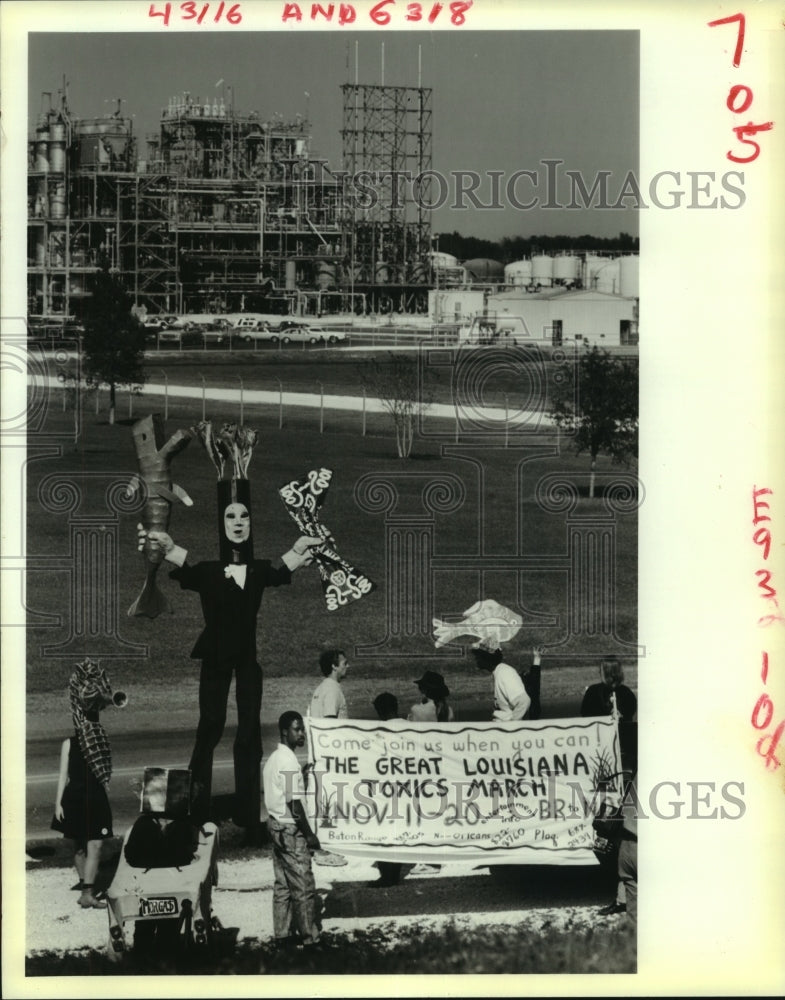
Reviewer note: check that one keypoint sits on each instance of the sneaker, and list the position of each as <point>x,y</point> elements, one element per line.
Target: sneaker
<point>88,901</point>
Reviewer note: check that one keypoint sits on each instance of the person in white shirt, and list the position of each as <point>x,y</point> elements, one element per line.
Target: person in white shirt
<point>328,701</point>
<point>294,891</point>
<point>510,698</point>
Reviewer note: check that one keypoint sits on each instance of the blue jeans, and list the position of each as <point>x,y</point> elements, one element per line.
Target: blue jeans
<point>294,892</point>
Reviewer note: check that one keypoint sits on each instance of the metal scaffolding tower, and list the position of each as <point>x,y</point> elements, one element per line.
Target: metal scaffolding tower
<point>387,144</point>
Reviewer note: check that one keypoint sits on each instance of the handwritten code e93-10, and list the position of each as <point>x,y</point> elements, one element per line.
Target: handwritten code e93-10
<point>205,13</point>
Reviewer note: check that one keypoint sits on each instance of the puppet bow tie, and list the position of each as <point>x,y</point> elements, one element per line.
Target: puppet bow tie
<point>237,573</point>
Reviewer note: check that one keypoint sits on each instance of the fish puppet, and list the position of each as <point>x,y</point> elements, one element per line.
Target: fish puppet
<point>155,458</point>
<point>488,621</point>
<point>341,582</point>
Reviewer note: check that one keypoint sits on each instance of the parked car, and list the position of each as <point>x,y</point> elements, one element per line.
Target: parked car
<point>155,323</point>
<point>300,333</point>
<point>261,330</point>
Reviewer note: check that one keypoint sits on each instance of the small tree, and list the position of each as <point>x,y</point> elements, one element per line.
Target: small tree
<point>113,339</point>
<point>603,413</point>
<point>396,383</point>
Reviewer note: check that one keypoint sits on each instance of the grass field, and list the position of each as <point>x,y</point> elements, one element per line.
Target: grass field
<point>451,951</point>
<point>387,632</point>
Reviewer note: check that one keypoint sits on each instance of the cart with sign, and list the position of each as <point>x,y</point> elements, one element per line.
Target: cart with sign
<point>166,910</point>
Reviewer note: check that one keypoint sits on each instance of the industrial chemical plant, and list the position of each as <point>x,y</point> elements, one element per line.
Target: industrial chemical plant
<point>228,212</point>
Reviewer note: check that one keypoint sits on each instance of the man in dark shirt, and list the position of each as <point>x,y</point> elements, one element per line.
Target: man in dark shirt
<point>597,698</point>
<point>230,596</point>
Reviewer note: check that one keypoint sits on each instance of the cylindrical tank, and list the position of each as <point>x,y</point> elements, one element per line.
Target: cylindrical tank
<point>628,276</point>
<point>591,265</point>
<point>325,276</point>
<point>219,211</point>
<point>40,248</point>
<point>542,270</point>
<point>41,152</point>
<point>57,148</point>
<point>439,260</point>
<point>566,267</point>
<point>608,277</point>
<point>57,202</point>
<point>291,275</point>
<point>518,273</point>
<point>484,269</point>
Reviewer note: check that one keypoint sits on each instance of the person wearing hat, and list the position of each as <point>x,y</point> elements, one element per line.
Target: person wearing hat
<point>230,589</point>
<point>511,702</point>
<point>433,706</point>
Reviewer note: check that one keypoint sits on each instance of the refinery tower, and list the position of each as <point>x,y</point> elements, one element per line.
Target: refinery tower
<point>227,211</point>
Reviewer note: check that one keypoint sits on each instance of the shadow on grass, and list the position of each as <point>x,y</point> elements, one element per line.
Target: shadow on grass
<point>386,951</point>
<point>502,888</point>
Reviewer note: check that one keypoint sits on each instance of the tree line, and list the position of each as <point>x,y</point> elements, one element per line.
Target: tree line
<point>511,248</point>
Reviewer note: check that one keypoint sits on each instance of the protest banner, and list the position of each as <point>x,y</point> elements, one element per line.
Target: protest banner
<point>499,792</point>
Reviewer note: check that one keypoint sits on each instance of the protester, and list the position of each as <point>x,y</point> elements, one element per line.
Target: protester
<point>598,698</point>
<point>628,863</point>
<point>390,872</point>
<point>433,706</point>
<point>531,681</point>
<point>328,701</point>
<point>510,698</point>
<point>82,812</point>
<point>230,590</point>
<point>386,706</point>
<point>294,891</point>
<point>602,699</point>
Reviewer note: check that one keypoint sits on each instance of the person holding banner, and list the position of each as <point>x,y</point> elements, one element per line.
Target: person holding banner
<point>294,891</point>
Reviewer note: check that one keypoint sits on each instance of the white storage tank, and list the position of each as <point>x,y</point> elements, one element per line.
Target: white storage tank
<point>591,265</point>
<point>608,277</point>
<point>441,260</point>
<point>566,267</point>
<point>519,273</point>
<point>628,276</point>
<point>542,270</point>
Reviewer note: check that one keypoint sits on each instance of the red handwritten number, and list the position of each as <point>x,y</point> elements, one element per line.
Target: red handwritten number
<point>764,670</point>
<point>762,537</point>
<point>733,93</point>
<point>458,12</point>
<point>378,14</point>
<point>188,10</point>
<point>220,11</point>
<point>201,16</point>
<point>435,11</point>
<point>414,12</point>
<point>739,38</point>
<point>744,130</point>
<point>161,13</point>
<point>233,15</point>
<point>764,702</point>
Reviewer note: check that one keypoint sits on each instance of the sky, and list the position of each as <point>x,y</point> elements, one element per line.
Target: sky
<point>502,101</point>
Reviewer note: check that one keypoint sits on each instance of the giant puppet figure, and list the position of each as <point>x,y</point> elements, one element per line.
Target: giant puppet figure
<point>230,589</point>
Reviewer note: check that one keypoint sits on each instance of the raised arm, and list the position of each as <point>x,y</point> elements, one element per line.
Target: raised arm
<point>62,778</point>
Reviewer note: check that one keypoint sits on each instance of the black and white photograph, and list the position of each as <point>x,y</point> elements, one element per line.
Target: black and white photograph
<point>388,440</point>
